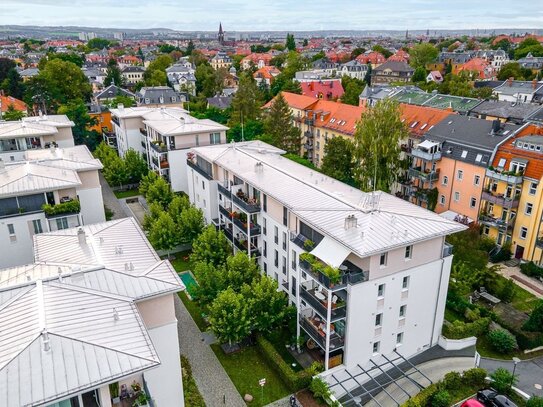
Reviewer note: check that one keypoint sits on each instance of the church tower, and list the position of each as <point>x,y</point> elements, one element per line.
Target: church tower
<point>220,36</point>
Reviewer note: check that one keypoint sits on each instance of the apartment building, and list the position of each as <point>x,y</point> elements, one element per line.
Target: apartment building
<point>94,311</point>
<point>512,209</point>
<point>64,179</point>
<point>368,273</point>
<point>163,136</point>
<point>451,162</point>
<point>34,133</point>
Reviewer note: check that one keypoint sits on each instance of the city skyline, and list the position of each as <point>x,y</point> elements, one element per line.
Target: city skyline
<point>281,15</point>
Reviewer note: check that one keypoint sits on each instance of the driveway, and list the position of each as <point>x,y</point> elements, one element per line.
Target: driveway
<point>529,373</point>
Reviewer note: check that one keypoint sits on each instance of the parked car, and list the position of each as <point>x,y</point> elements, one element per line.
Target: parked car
<point>472,403</point>
<point>491,398</point>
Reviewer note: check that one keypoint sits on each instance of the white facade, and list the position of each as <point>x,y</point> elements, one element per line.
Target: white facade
<point>392,260</point>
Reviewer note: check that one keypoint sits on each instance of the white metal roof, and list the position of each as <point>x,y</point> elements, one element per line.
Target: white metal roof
<point>30,177</point>
<point>383,221</point>
<point>77,158</point>
<point>55,120</point>
<point>25,129</point>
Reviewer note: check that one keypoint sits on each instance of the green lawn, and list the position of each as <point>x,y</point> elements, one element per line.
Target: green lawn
<point>245,369</point>
<point>179,263</point>
<point>127,194</point>
<point>524,300</point>
<point>279,339</point>
<point>194,310</point>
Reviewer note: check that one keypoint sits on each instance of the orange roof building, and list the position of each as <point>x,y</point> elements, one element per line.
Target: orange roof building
<point>7,101</point>
<point>374,58</point>
<point>479,65</point>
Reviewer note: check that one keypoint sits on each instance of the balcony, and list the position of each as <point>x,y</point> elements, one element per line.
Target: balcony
<point>310,122</point>
<point>308,146</point>
<point>249,205</point>
<point>447,249</point>
<point>255,229</point>
<point>510,178</point>
<point>223,189</point>
<point>71,207</point>
<point>302,242</point>
<point>338,311</point>
<point>313,328</point>
<point>143,131</point>
<point>425,155</point>
<point>500,199</point>
<point>539,242</point>
<point>346,274</point>
<point>199,170</point>
<point>308,134</point>
<point>159,148</point>
<point>115,120</point>
<point>241,244</point>
<point>429,176</point>
<point>494,222</point>
<point>226,211</point>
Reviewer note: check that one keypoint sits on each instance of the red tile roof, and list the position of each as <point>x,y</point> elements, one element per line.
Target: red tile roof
<point>400,56</point>
<point>17,104</point>
<point>373,57</point>
<point>420,119</point>
<point>267,72</point>
<point>295,101</point>
<point>325,89</point>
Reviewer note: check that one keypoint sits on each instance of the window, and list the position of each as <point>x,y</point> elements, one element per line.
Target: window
<point>203,185</point>
<point>376,347</point>
<point>478,158</point>
<point>529,208</point>
<point>276,258</point>
<point>197,140</point>
<point>403,310</point>
<point>408,251</point>
<point>284,265</point>
<point>464,153</point>
<point>533,188</point>
<point>215,138</point>
<point>383,260</point>
<point>276,235</point>
<point>399,338</point>
<point>62,223</point>
<point>457,196</point>
<point>284,240</point>
<point>476,180</point>
<point>36,224</point>
<point>523,232</point>
<point>381,290</point>
<point>265,202</point>
<point>472,202</point>
<point>265,248</point>
<point>293,259</point>
<point>501,163</point>
<point>11,231</point>
<point>442,199</point>
<point>285,213</point>
<point>517,167</point>
<point>264,226</point>
<point>265,267</point>
<point>405,282</point>
<point>379,320</point>
<point>460,175</point>
<point>445,180</point>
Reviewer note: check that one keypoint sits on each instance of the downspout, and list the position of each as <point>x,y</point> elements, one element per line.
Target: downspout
<point>438,295</point>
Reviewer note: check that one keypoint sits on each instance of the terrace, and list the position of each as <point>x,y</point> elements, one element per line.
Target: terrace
<point>330,277</point>
<point>193,163</point>
<point>317,298</point>
<point>506,176</point>
<point>243,201</point>
<point>501,199</point>
<point>68,207</point>
<point>425,175</point>
<point>315,327</point>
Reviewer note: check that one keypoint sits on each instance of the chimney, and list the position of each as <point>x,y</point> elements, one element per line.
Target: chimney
<point>496,124</point>
<point>81,237</point>
<point>534,84</point>
<point>350,222</point>
<point>510,81</point>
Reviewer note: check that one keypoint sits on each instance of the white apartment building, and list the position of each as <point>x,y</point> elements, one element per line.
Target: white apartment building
<point>34,133</point>
<point>95,309</point>
<point>164,136</point>
<point>390,256</point>
<point>65,178</point>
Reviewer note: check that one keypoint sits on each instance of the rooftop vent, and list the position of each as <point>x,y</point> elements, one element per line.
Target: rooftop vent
<point>350,222</point>
<point>116,316</point>
<point>45,341</point>
<point>81,237</point>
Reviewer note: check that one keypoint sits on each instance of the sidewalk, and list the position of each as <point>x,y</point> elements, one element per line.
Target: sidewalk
<point>111,201</point>
<point>530,284</point>
<point>214,384</point>
<point>529,373</point>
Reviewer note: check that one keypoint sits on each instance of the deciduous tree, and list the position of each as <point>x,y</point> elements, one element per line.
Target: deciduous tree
<point>77,111</point>
<point>338,159</point>
<point>229,317</point>
<point>136,166</point>
<point>267,305</point>
<point>12,115</point>
<point>211,247</point>
<point>422,54</point>
<point>159,192</point>
<point>246,102</point>
<point>164,234</point>
<point>190,224</point>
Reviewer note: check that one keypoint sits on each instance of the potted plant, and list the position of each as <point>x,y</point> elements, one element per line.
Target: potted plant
<point>136,387</point>
<point>141,400</point>
<point>309,244</point>
<point>114,393</point>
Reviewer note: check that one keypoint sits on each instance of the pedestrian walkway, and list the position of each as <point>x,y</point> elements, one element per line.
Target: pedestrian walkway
<point>531,285</point>
<point>528,372</point>
<point>111,201</point>
<point>214,384</point>
<point>284,402</point>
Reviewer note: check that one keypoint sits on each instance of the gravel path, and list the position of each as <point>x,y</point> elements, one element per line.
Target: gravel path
<point>211,379</point>
<point>111,201</point>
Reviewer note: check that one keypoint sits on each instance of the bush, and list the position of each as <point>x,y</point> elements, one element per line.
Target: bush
<point>191,394</point>
<point>460,330</point>
<point>72,206</point>
<point>294,380</point>
<point>423,398</point>
<point>503,380</point>
<point>535,322</point>
<point>441,399</point>
<point>507,291</point>
<point>535,401</point>
<point>452,380</point>
<point>319,388</point>
<point>503,255</point>
<point>475,377</point>
<point>502,341</point>
<point>531,269</point>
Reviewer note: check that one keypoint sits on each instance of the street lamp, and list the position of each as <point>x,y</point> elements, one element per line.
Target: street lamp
<point>515,362</point>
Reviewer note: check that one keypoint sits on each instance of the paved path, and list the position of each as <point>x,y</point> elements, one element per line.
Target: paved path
<point>111,201</point>
<point>520,279</point>
<point>211,379</point>
<point>284,402</point>
<point>529,372</point>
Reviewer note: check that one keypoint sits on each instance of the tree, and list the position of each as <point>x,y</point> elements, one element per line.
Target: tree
<point>136,166</point>
<point>290,43</point>
<point>535,322</point>
<point>441,398</point>
<point>160,192</point>
<point>113,76</point>
<point>229,317</point>
<point>246,102</point>
<point>177,205</point>
<point>267,305</point>
<point>338,159</point>
<point>115,173</point>
<point>529,46</point>
<point>422,54</point>
<point>190,223</point>
<point>278,126</point>
<point>356,52</point>
<point>211,281</point>
<point>12,115</point>
<point>126,101</point>
<point>190,48</point>
<point>252,129</point>
<point>78,113</point>
<point>6,65</point>
<point>503,44</point>
<point>150,217</point>
<point>377,146</point>
<point>353,88</point>
<point>167,48</point>
<point>382,50</point>
<point>13,84</point>
<point>503,380</point>
<point>66,56</point>
<point>211,246</point>
<point>155,74</point>
<point>163,234</point>
<point>457,85</point>
<point>419,75</point>
<point>99,43</point>
<point>510,70</point>
<point>240,269</point>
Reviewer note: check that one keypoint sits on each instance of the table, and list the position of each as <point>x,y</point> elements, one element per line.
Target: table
<point>320,295</point>
<point>490,298</point>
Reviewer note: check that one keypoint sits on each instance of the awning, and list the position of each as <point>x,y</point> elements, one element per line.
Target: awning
<point>427,144</point>
<point>452,215</point>
<point>331,252</point>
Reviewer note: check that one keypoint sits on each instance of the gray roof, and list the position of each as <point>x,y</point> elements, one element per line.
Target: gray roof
<point>515,87</point>
<point>133,68</point>
<point>507,110</point>
<point>159,95</point>
<point>487,84</point>
<point>220,102</point>
<point>456,57</point>
<point>111,91</point>
<point>395,66</point>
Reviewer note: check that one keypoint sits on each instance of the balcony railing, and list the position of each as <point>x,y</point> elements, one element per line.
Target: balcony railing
<point>115,120</point>
<point>249,205</point>
<point>300,241</point>
<point>223,189</point>
<point>494,222</point>
<point>242,245</point>
<point>226,211</point>
<point>447,249</point>
<point>159,148</point>
<point>199,170</point>
<point>429,176</point>
<point>319,335</point>
<point>255,229</point>
<point>539,242</point>
<point>308,134</point>
<point>349,274</point>
<point>426,156</point>
<point>501,176</point>
<point>72,207</point>
<point>143,131</point>
<point>308,146</point>
<point>338,311</point>
<point>501,200</point>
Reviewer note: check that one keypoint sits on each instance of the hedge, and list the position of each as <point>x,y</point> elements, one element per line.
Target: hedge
<point>72,206</point>
<point>294,380</point>
<point>531,269</point>
<point>191,394</point>
<point>460,330</point>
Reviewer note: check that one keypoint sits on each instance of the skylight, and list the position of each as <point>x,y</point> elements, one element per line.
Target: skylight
<point>464,153</point>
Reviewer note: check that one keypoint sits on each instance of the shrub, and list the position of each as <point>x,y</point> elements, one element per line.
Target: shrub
<point>503,380</point>
<point>535,322</point>
<point>423,398</point>
<point>460,330</point>
<point>502,255</point>
<point>441,399</point>
<point>475,377</point>
<point>502,341</point>
<point>319,388</point>
<point>472,315</point>
<point>72,206</point>
<point>507,291</point>
<point>191,394</point>
<point>535,401</point>
<point>452,380</point>
<point>531,269</point>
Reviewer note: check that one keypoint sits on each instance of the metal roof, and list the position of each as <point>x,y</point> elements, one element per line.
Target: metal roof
<point>383,221</point>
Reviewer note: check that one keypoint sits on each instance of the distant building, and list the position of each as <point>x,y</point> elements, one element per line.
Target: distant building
<point>181,77</point>
<point>324,89</point>
<point>519,91</point>
<point>434,76</point>
<point>221,60</point>
<point>392,71</point>
<point>220,35</point>
<point>7,101</point>
<point>132,74</point>
<point>353,69</point>
<point>157,96</point>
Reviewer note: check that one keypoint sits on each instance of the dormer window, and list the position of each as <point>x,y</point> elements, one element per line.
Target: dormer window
<point>502,162</point>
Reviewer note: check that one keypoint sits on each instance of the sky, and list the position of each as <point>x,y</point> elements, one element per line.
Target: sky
<point>247,15</point>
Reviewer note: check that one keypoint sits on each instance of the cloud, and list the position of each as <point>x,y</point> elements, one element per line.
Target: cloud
<point>237,15</point>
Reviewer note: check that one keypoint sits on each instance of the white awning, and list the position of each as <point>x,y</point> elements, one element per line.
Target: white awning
<point>331,252</point>
<point>427,144</point>
<point>452,215</point>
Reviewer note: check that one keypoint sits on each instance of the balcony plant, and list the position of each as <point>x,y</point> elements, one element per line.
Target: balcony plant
<point>319,266</point>
<point>114,392</point>
<point>72,206</point>
<point>309,244</point>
